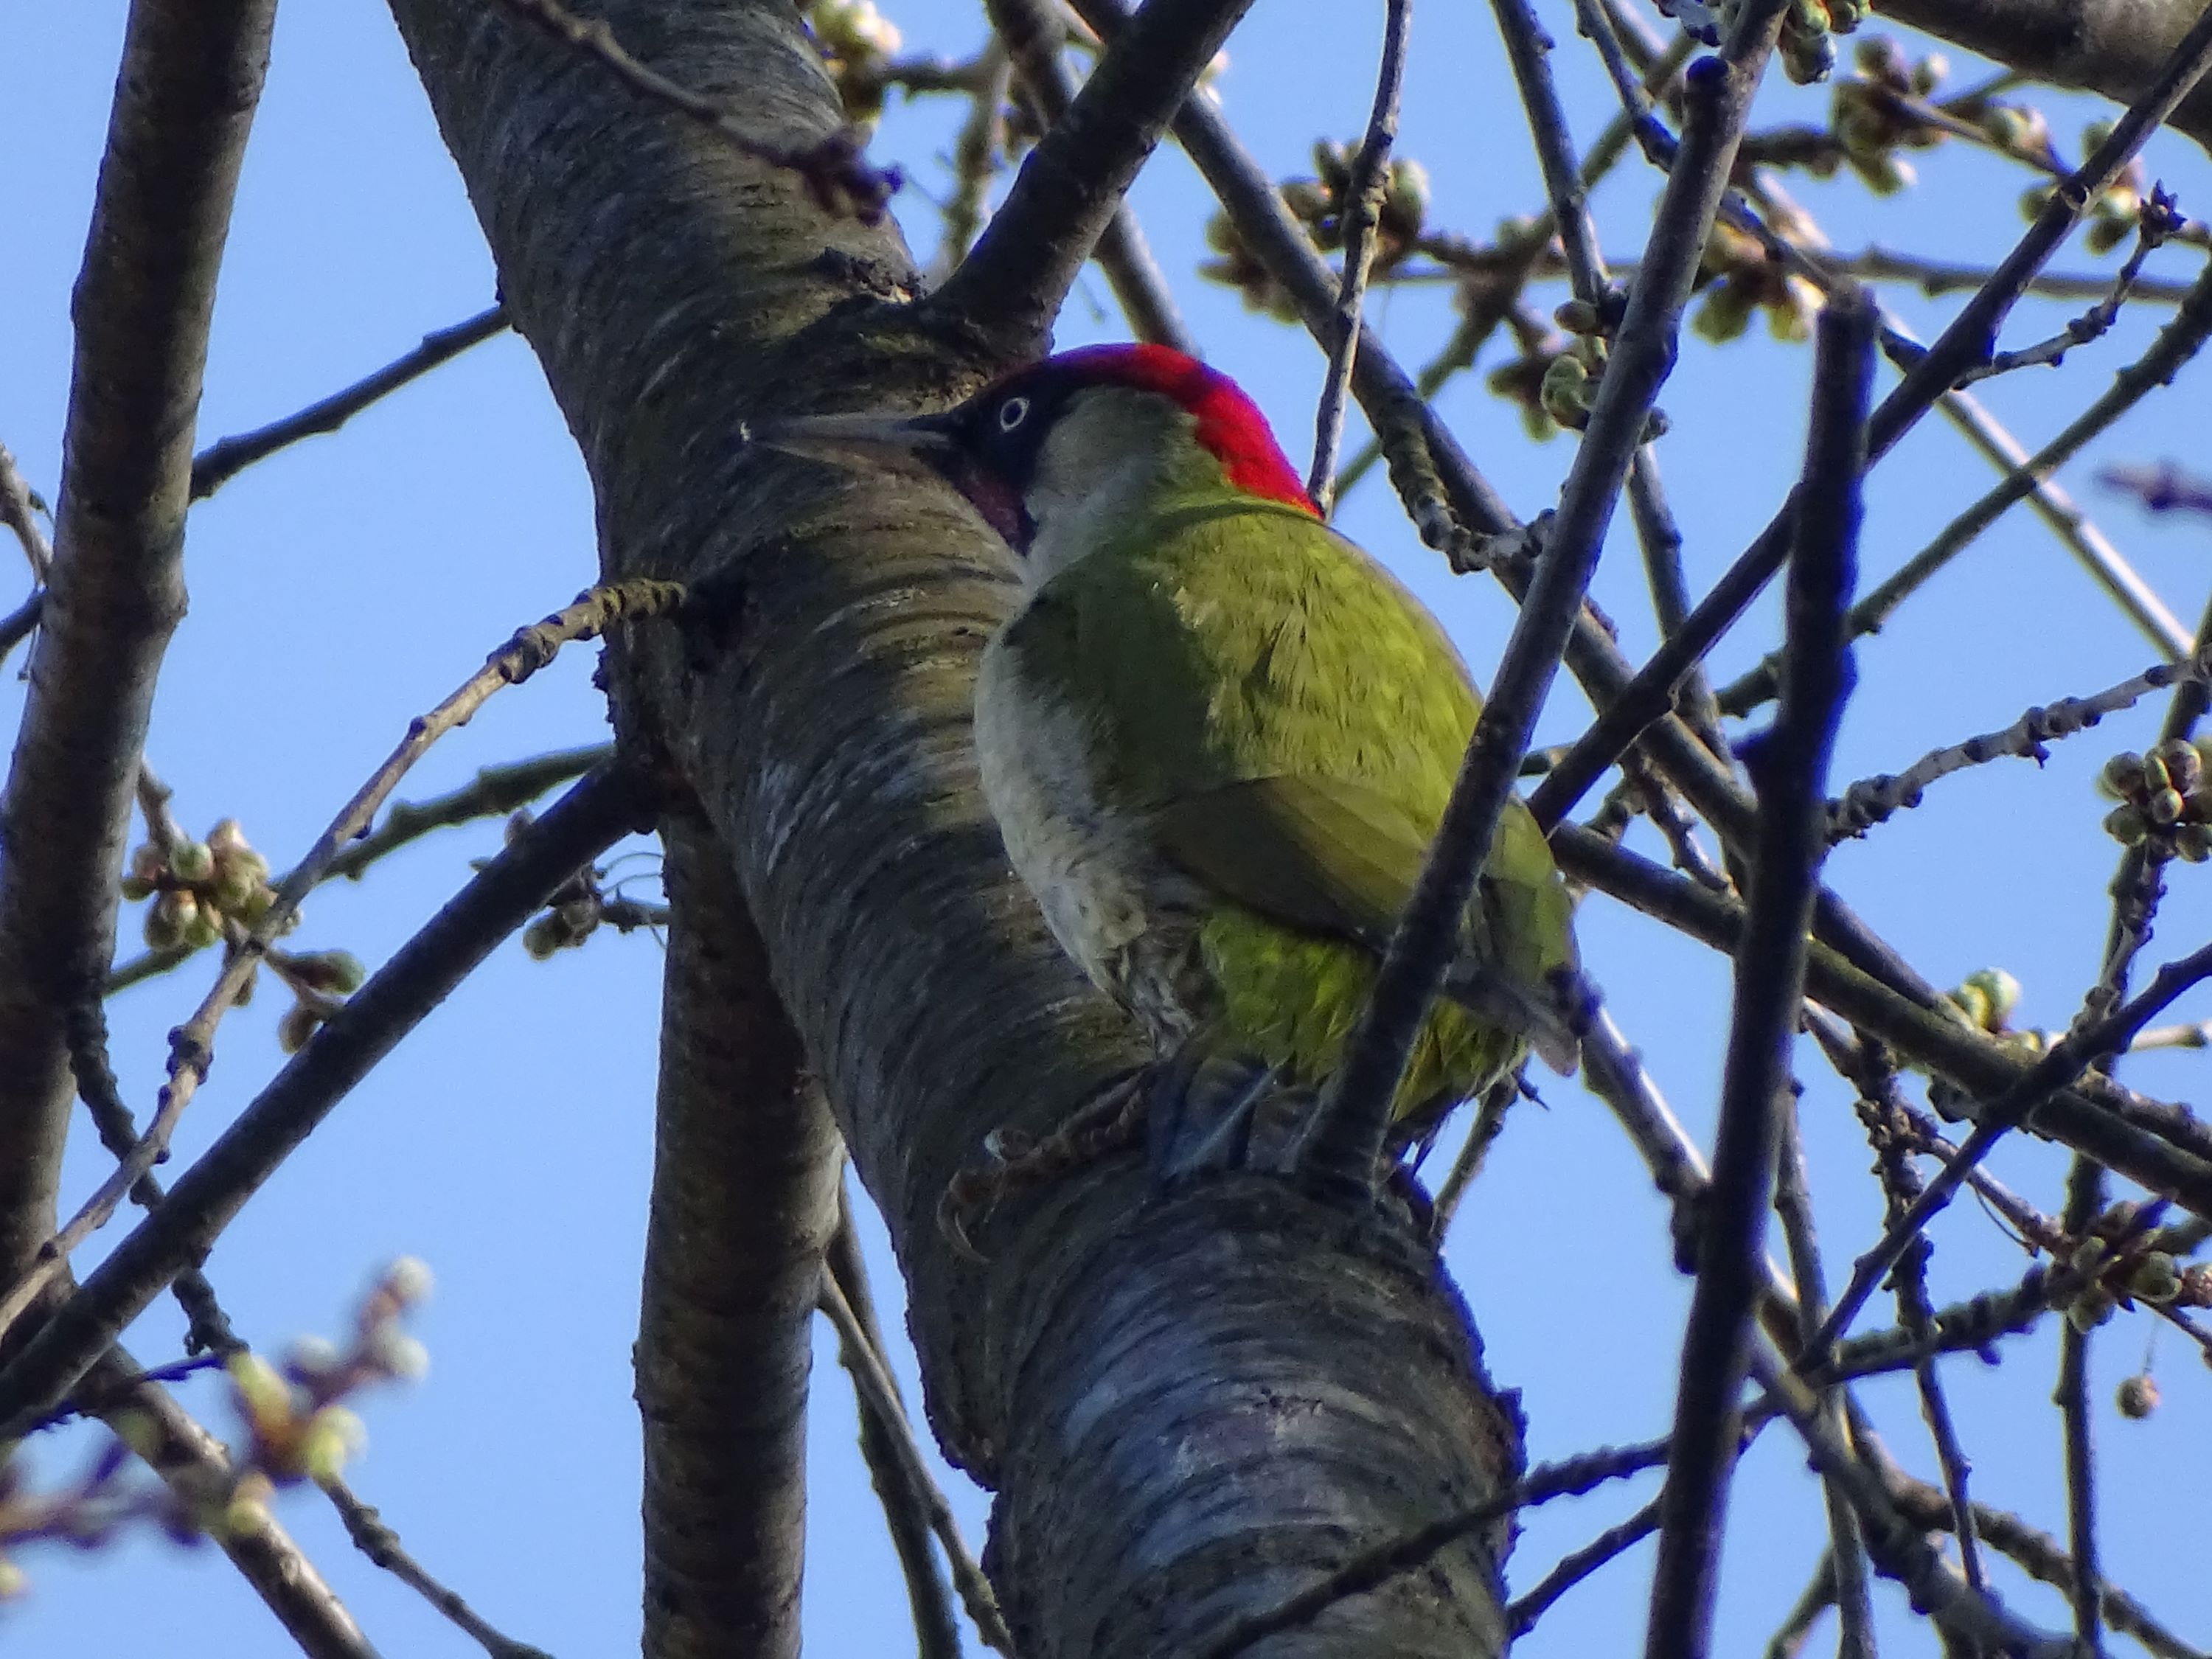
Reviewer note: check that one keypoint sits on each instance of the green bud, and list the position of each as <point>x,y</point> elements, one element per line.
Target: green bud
<point>299,1023</point>
<point>2090,1309</point>
<point>543,937</point>
<point>2185,767</point>
<point>2126,825</point>
<point>1577,317</point>
<point>2000,989</point>
<point>2137,1398</point>
<point>205,927</point>
<point>148,864</point>
<point>336,973</point>
<point>168,919</point>
<point>2192,843</point>
<point>2164,807</point>
<point>135,888</point>
<point>191,860</point>
<point>2154,776</point>
<point>2122,778</point>
<point>1929,73</point>
<point>266,1396</point>
<point>2156,1279</point>
<point>227,839</point>
<point>333,1437</point>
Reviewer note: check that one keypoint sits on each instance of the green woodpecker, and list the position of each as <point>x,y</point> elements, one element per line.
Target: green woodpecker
<point>1217,736</point>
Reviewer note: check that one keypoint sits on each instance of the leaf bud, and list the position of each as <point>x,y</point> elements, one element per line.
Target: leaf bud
<point>2156,1279</point>
<point>409,1280</point>
<point>337,973</point>
<point>2090,1309</point>
<point>2137,1397</point>
<point>147,862</point>
<point>204,928</point>
<point>168,917</point>
<point>135,888</point>
<point>191,860</point>
<point>227,839</point>
<point>333,1437</point>
<point>2185,767</point>
<point>2122,778</point>
<point>301,1023</point>
<point>2126,825</point>
<point>2164,808</point>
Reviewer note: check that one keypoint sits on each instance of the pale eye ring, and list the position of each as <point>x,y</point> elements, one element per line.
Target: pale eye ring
<point>1012,413</point>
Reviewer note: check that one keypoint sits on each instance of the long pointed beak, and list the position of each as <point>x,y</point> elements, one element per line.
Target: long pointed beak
<point>850,438</point>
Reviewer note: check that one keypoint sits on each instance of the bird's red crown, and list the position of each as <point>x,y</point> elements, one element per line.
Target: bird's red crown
<point>1229,424</point>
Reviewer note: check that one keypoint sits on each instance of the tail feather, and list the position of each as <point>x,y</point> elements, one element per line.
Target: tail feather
<point>1539,1015</point>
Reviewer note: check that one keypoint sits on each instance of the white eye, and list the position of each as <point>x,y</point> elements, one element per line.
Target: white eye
<point>1012,413</point>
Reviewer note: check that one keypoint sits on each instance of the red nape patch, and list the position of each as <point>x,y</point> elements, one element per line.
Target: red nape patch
<point>1229,424</point>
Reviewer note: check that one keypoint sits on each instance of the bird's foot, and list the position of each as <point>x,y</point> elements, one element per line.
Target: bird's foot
<point>1014,1161</point>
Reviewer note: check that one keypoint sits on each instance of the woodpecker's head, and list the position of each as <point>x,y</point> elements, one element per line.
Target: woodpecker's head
<point>1062,455</point>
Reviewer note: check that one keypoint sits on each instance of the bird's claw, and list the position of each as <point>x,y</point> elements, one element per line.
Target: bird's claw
<point>1014,1160</point>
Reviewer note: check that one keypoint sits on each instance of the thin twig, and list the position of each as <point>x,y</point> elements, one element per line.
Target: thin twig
<point>834,169</point>
<point>905,1510</point>
<point>224,459</point>
<point>2073,1055</point>
<point>2150,1142</point>
<point>1789,767</point>
<point>1366,184</point>
<point>1965,342</point>
<point>1797,1627</point>
<point>1523,1610</point>
<point>1011,282</point>
<point>503,895</point>
<point>375,1539</point>
<point>871,1375</point>
<point>1846,1561</point>
<point>1033,33</point>
<point>1570,1477</point>
<point>191,1044</point>
<point>1871,800</point>
<point>1354,1113</point>
<point>2085,1196</point>
<point>1898,1547</point>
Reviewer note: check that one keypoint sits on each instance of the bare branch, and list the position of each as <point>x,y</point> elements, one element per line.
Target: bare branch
<point>1012,280</point>
<point>2150,1143</point>
<point>1366,184</point>
<point>1570,1477</point>
<point>366,1026</point>
<point>224,459</point>
<point>2073,1055</point>
<point>1967,341</point>
<point>376,1540</point>
<point>1033,34</point>
<point>1789,767</point>
<point>873,1378</point>
<point>1355,1111</point>
<point>189,81</point>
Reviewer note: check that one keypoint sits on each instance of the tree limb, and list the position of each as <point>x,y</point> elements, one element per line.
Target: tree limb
<point>191,77</point>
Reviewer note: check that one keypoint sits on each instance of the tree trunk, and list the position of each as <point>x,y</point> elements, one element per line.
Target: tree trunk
<point>1188,1407</point>
<point>2116,47</point>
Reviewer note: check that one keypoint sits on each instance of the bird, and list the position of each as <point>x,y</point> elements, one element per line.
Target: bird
<point>1218,736</point>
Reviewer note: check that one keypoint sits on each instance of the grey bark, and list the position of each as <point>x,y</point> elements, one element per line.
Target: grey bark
<point>185,96</point>
<point>1185,1409</point>
<point>744,1197</point>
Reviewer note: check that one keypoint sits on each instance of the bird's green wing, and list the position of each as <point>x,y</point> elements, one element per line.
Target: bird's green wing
<point>1319,853</point>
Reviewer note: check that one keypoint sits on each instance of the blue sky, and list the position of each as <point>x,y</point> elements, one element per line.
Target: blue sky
<point>348,584</point>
